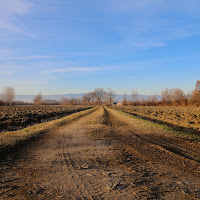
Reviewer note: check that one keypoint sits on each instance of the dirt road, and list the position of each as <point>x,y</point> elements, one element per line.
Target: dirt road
<point>104,155</point>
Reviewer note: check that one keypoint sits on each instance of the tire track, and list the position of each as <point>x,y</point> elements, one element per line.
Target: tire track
<point>69,172</point>
<point>77,179</point>
<point>152,139</point>
<point>69,161</point>
<point>72,161</point>
<point>177,149</point>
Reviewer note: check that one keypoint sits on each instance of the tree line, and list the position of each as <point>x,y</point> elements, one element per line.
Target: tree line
<point>169,97</point>
<point>97,97</point>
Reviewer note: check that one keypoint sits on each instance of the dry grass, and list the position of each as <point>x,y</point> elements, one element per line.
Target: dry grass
<point>145,123</point>
<point>10,139</point>
<point>17,117</point>
<point>187,117</point>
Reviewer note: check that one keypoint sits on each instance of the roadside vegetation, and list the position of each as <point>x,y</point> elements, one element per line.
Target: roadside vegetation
<point>14,138</point>
<point>170,125</point>
<point>18,117</point>
<point>186,117</point>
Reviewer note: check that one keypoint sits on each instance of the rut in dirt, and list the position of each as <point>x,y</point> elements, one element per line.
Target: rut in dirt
<point>104,155</point>
<point>160,140</point>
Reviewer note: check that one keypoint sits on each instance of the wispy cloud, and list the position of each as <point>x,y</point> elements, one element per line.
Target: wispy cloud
<point>78,69</point>
<point>23,28</point>
<point>30,57</point>
<point>9,10</point>
<point>154,23</point>
<point>81,54</point>
<point>154,6</point>
<point>8,55</point>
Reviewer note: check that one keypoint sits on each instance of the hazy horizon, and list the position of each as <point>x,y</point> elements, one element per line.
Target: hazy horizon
<point>59,47</point>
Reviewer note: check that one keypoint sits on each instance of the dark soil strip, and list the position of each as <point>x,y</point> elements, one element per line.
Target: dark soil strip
<point>9,152</point>
<point>177,150</point>
<point>33,119</point>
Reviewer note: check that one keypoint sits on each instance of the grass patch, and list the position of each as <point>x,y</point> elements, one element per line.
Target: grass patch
<point>25,130</point>
<point>94,122</point>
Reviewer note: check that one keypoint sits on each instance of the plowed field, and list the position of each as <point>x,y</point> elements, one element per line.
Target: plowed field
<point>104,155</point>
<point>17,117</point>
<point>183,118</point>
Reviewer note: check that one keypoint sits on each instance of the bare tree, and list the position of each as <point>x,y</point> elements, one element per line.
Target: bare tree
<point>154,99</point>
<point>99,94</point>
<point>1,100</point>
<point>134,95</point>
<point>178,95</point>
<point>87,98</point>
<point>195,97</point>
<point>73,101</point>
<point>8,95</point>
<point>38,99</point>
<point>166,95</point>
<point>110,96</point>
<point>125,101</point>
<point>173,96</point>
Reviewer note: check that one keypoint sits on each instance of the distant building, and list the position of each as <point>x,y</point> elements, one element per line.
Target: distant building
<point>119,104</point>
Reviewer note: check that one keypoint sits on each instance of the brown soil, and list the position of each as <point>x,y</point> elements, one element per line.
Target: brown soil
<point>17,117</point>
<point>105,155</point>
<point>181,118</point>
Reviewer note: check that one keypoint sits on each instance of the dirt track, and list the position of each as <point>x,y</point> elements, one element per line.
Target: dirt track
<point>105,155</point>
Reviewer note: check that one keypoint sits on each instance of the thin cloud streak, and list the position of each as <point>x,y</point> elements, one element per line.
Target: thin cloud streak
<point>30,57</point>
<point>79,69</point>
<point>9,10</point>
<point>24,28</point>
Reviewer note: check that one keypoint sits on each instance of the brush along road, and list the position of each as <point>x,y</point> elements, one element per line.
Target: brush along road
<point>105,155</point>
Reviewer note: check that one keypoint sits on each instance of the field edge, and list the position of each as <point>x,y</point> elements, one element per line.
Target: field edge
<point>165,126</point>
<point>10,141</point>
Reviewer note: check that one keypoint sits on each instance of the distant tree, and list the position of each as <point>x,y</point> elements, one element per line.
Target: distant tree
<point>50,102</point>
<point>73,101</point>
<point>125,101</point>
<point>110,96</point>
<point>178,96</point>
<point>69,101</point>
<point>195,97</point>
<point>38,99</point>
<point>64,101</point>
<point>2,103</point>
<point>8,95</point>
<point>87,98</point>
<point>173,96</point>
<point>154,100</point>
<point>166,95</point>
<point>134,95</point>
<point>99,94</point>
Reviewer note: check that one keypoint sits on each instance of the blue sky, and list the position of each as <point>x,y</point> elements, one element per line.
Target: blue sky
<point>65,46</point>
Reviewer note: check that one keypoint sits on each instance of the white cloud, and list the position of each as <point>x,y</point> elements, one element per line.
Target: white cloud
<point>14,7</point>
<point>9,11</point>
<point>75,69</point>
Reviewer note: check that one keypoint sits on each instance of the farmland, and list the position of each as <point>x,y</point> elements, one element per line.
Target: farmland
<point>17,117</point>
<point>101,153</point>
<point>183,118</point>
